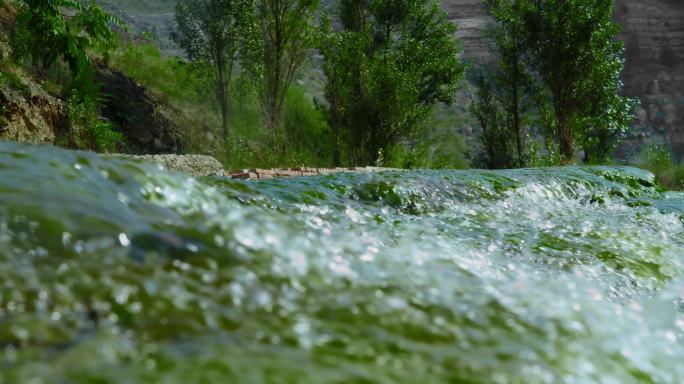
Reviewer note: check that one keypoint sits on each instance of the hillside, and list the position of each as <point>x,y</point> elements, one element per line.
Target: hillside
<point>34,104</point>
<point>147,16</point>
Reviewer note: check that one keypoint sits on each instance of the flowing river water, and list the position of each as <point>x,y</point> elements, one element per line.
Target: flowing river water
<point>117,271</point>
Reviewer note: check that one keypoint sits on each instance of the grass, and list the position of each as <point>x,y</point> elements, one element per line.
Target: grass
<point>659,161</point>
<point>305,137</point>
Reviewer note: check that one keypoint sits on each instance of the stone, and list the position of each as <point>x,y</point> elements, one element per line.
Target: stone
<point>193,165</point>
<point>29,114</point>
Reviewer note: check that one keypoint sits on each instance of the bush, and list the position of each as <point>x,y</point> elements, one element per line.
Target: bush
<point>307,134</point>
<point>659,161</point>
<point>87,129</point>
<point>14,81</point>
<point>304,140</point>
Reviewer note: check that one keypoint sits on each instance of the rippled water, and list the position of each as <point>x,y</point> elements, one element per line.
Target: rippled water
<point>117,271</point>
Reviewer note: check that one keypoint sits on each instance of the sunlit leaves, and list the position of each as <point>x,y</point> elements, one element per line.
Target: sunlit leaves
<point>391,62</point>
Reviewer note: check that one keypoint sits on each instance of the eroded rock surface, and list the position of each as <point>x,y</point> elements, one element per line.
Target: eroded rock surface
<point>28,113</point>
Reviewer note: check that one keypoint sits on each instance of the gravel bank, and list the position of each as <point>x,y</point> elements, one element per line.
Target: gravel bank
<point>193,165</point>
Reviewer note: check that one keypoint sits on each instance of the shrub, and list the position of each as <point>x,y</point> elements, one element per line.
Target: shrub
<point>87,129</point>
<point>659,161</point>
<point>307,134</point>
<point>14,81</point>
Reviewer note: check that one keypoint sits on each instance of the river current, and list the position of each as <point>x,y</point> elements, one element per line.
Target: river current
<point>113,270</point>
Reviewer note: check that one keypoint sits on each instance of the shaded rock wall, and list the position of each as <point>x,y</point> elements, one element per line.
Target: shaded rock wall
<point>149,124</point>
<point>653,32</point>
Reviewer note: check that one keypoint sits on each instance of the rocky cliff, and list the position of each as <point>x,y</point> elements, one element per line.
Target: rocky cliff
<point>653,32</point>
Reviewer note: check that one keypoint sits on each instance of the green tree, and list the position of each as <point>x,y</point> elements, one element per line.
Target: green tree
<point>286,37</point>
<point>512,80</point>
<point>605,116</point>
<point>390,63</point>
<point>572,45</point>
<point>215,33</point>
<point>486,106</point>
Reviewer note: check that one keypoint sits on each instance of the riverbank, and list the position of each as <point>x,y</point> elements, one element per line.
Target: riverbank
<point>257,173</point>
<point>201,166</point>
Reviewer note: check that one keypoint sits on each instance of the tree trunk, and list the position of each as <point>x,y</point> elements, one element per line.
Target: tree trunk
<point>222,91</point>
<point>224,112</point>
<point>565,139</point>
<point>337,162</point>
<point>516,126</point>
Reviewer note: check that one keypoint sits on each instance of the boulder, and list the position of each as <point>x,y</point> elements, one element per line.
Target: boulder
<point>193,165</point>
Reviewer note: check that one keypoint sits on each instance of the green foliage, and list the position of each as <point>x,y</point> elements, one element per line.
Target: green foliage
<point>306,131</point>
<point>405,157</point>
<point>87,129</point>
<point>495,137</point>
<point>605,119</point>
<point>185,86</point>
<point>557,66</point>
<point>392,61</point>
<point>44,34</point>
<point>439,142</point>
<point>304,139</point>
<point>13,80</point>
<point>549,156</point>
<point>511,77</point>
<point>659,161</point>
<point>214,33</point>
<point>573,47</point>
<point>656,159</point>
<point>283,43</point>
<point>171,78</point>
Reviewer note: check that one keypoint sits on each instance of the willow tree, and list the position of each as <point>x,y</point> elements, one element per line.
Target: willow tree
<point>215,33</point>
<point>386,68</point>
<point>573,46</point>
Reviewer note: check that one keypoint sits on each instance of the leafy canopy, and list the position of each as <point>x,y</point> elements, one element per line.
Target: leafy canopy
<point>573,47</point>
<point>392,61</point>
<point>44,34</point>
<point>215,33</point>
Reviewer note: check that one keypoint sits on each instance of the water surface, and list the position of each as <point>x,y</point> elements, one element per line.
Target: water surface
<point>117,271</point>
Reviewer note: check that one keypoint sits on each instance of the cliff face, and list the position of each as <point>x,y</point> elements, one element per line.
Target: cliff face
<point>653,32</point>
